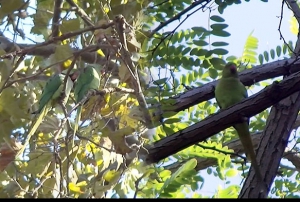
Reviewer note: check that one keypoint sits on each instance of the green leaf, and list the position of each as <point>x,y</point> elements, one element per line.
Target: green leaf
<point>217,18</point>
<point>219,44</point>
<point>205,64</point>
<point>186,50</point>
<point>284,49</point>
<point>220,51</point>
<point>194,51</point>
<point>160,81</point>
<point>168,130</point>
<point>209,53</point>
<point>70,25</point>
<point>197,62</point>
<point>278,51</point>
<point>199,30</point>
<point>272,53</point>
<point>266,55</point>
<point>11,6</point>
<point>219,26</point>
<point>222,7</point>
<point>250,48</point>
<point>217,63</point>
<point>62,53</point>
<point>231,173</point>
<point>200,42</point>
<point>237,1</point>
<point>229,192</point>
<point>209,171</point>
<point>201,52</point>
<point>213,73</point>
<point>231,58</point>
<point>165,174</point>
<point>172,120</point>
<point>261,59</point>
<point>221,33</point>
<point>186,167</point>
<point>218,2</point>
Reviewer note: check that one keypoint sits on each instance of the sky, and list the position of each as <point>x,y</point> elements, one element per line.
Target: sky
<point>261,18</point>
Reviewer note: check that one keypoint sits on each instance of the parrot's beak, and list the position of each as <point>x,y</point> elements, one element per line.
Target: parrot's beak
<point>74,75</point>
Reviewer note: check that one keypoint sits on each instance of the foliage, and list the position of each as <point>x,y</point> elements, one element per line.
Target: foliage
<point>103,161</point>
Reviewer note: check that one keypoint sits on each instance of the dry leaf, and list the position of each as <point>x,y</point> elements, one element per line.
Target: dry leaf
<point>8,153</point>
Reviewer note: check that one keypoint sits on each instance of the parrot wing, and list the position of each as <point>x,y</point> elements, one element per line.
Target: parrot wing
<point>49,91</point>
<point>88,80</point>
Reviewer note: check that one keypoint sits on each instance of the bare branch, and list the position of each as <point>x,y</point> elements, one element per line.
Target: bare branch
<point>279,28</point>
<point>80,12</point>
<point>296,10</point>
<point>56,17</point>
<point>120,23</point>
<point>178,16</point>
<point>55,39</point>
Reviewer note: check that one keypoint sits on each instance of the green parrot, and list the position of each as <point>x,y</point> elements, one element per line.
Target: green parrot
<point>88,80</point>
<point>229,91</point>
<point>51,94</point>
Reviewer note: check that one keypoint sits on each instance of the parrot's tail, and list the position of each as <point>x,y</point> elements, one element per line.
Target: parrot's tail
<point>245,137</point>
<point>76,126</point>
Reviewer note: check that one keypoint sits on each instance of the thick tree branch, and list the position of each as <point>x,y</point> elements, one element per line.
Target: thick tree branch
<point>248,77</point>
<point>192,97</point>
<point>237,147</point>
<point>275,136</point>
<point>273,143</point>
<point>222,120</point>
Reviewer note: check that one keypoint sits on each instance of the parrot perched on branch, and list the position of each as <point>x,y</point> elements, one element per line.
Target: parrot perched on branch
<point>51,94</point>
<point>88,80</point>
<point>230,91</point>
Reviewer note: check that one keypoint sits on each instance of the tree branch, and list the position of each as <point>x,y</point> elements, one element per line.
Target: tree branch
<point>236,146</point>
<point>65,36</point>
<point>248,77</point>
<point>222,120</point>
<point>178,16</point>
<point>275,137</point>
<point>56,16</point>
<point>81,13</point>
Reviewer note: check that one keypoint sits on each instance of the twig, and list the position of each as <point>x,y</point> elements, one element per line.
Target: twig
<point>178,16</point>
<point>173,31</point>
<point>279,28</point>
<point>296,10</point>
<point>137,182</point>
<point>120,23</point>
<point>80,12</point>
<point>55,39</point>
<point>12,72</point>
<point>98,145</point>
<point>28,78</point>
<point>56,16</point>
<point>221,151</point>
